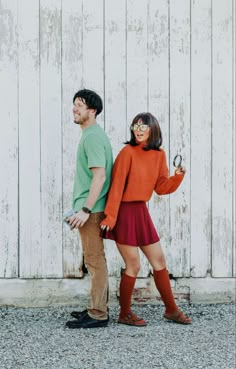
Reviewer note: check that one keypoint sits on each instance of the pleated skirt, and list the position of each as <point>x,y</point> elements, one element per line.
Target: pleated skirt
<point>134,226</point>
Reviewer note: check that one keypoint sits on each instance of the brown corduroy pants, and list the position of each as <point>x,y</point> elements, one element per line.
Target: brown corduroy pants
<point>95,260</point>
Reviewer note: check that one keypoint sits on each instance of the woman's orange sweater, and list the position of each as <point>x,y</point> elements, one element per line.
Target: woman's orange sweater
<point>136,174</point>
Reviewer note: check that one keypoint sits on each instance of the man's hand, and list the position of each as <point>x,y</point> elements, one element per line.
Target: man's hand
<point>78,220</point>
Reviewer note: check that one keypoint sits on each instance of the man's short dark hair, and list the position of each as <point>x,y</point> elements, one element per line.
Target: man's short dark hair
<point>91,99</point>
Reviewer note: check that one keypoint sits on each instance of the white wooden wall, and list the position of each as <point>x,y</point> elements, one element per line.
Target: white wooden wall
<point>174,58</point>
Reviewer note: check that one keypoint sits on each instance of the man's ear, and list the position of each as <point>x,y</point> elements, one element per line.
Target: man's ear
<point>93,112</point>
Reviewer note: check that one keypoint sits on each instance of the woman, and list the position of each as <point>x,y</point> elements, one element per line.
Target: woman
<point>139,169</point>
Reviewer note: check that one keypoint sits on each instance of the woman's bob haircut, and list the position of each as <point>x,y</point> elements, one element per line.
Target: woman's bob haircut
<point>155,137</point>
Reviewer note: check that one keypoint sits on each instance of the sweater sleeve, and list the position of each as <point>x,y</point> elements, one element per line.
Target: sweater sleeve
<point>167,184</point>
<point>119,176</point>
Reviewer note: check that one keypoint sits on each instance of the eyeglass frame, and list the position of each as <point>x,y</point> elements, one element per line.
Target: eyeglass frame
<point>137,127</point>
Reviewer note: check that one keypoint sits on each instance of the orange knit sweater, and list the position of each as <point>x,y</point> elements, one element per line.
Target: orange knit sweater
<point>136,174</point>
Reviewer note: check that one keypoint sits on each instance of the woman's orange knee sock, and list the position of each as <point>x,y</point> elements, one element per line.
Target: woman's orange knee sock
<point>162,282</point>
<point>126,288</point>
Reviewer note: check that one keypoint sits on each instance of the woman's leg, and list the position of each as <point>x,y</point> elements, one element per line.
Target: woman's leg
<point>156,258</point>
<point>131,259</point>
<point>130,255</point>
<point>155,255</point>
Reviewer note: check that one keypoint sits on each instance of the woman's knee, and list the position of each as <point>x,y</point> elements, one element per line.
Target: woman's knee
<point>133,268</point>
<point>162,260</point>
<point>159,264</point>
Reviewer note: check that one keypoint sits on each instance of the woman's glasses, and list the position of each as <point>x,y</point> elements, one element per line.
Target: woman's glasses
<point>139,127</point>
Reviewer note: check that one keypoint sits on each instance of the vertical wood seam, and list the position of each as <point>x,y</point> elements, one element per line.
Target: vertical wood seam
<point>18,150</point>
<point>190,136</point>
<point>61,167</point>
<point>233,136</point>
<point>211,201</point>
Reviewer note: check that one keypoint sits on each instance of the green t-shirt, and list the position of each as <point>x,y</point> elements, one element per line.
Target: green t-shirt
<point>94,150</point>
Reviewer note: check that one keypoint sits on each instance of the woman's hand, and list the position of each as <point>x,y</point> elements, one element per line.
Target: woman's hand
<point>105,227</point>
<point>180,170</point>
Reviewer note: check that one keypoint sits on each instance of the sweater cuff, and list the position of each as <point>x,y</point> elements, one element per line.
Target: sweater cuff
<point>179,177</point>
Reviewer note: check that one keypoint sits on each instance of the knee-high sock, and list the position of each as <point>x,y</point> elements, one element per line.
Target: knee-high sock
<point>126,288</point>
<point>162,282</point>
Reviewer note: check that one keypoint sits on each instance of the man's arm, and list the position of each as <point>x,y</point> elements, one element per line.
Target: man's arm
<point>99,177</point>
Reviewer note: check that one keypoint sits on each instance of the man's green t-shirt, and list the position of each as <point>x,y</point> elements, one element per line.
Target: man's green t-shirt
<point>94,150</point>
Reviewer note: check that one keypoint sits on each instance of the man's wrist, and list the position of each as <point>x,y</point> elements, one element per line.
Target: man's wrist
<point>86,210</point>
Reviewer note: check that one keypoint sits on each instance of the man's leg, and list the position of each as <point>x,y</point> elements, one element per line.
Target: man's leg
<point>94,258</point>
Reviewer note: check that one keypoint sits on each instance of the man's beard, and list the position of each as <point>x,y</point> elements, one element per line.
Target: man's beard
<point>82,120</point>
<point>78,122</point>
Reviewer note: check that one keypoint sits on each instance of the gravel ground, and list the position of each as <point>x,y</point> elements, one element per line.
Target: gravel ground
<point>36,338</point>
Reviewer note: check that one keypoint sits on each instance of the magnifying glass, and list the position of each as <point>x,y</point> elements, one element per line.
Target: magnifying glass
<point>177,162</point>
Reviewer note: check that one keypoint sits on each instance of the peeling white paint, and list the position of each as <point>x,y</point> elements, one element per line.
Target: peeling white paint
<point>174,59</point>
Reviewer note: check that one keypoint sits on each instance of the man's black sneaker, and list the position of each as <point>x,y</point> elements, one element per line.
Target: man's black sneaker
<point>87,322</point>
<point>78,314</point>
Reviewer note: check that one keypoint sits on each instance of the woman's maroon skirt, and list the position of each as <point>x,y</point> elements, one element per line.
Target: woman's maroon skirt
<point>134,225</point>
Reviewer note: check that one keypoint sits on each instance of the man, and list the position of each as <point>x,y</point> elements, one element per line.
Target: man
<point>92,180</point>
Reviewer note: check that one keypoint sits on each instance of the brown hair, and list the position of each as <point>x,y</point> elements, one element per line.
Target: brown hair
<point>155,137</point>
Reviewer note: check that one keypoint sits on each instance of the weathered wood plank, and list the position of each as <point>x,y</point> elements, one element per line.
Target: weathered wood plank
<point>51,166</point>
<point>115,73</point>
<point>137,69</point>
<point>115,95</point>
<point>29,141</point>
<point>222,168</point>
<point>93,49</point>
<point>234,138</point>
<point>179,263</point>
<point>8,140</point>
<point>158,101</point>
<point>201,138</point>
<point>72,29</point>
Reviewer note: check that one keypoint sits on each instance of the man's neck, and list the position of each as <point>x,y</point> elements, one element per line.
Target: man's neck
<point>88,123</point>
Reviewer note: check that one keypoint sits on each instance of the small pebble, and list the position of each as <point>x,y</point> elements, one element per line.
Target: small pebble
<point>36,338</point>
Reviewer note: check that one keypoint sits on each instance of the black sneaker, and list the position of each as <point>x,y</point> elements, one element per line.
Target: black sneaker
<point>87,322</point>
<point>78,314</point>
